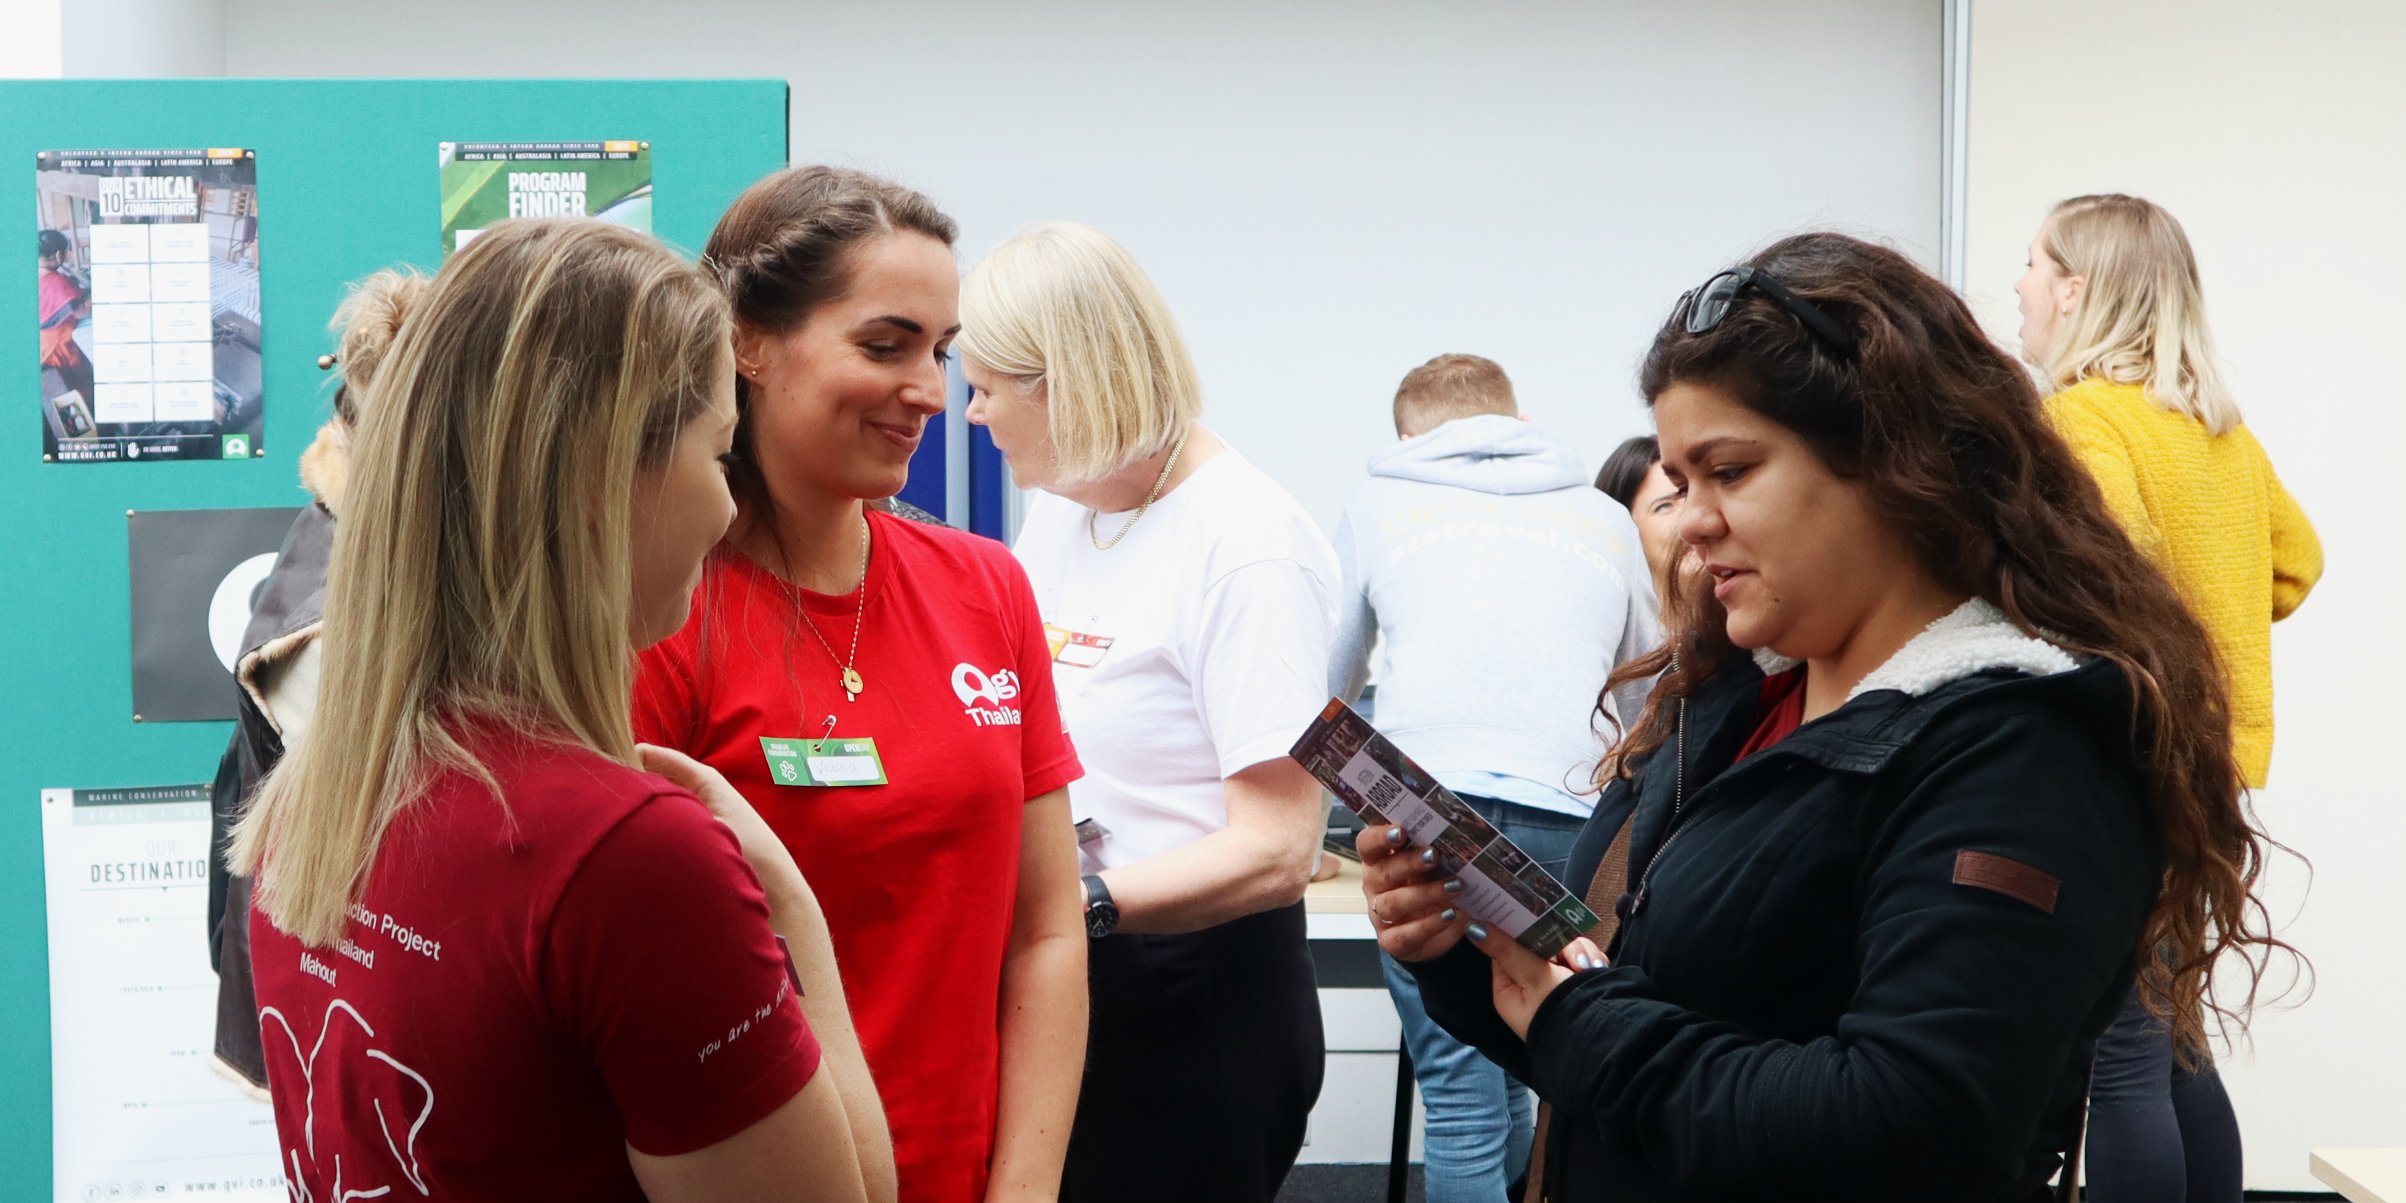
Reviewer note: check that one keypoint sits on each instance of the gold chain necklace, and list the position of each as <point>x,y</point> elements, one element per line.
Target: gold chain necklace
<point>1160,482</point>
<point>851,678</point>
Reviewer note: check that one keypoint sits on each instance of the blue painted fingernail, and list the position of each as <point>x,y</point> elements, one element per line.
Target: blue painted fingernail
<point>1454,886</point>
<point>1395,835</point>
<point>1478,932</point>
<point>1584,963</point>
<point>1446,915</point>
<point>1428,856</point>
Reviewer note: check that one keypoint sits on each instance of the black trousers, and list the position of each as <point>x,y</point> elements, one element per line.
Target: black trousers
<point>1203,1059</point>
<point>2158,1133</point>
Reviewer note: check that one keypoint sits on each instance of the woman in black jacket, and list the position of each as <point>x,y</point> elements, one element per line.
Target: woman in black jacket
<point>1937,757</point>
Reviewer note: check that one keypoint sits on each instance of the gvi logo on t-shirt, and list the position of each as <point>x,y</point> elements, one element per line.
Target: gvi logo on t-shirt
<point>973,687</point>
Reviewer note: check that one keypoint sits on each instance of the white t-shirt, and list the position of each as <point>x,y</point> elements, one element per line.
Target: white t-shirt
<point>1194,648</point>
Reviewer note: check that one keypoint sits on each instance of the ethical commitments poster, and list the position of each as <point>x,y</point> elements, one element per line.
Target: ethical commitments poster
<point>486,182</point>
<point>149,304</point>
<point>136,1110</point>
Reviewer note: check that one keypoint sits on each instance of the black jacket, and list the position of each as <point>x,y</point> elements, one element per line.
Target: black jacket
<point>1805,1000</point>
<point>287,617</point>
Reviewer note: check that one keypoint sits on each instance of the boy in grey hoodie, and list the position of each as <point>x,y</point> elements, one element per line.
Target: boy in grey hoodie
<point>1508,589</point>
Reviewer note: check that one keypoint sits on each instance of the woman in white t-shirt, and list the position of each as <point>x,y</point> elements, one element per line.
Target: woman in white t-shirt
<point>1187,599</point>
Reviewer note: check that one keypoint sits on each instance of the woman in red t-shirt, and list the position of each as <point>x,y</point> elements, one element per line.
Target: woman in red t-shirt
<point>64,304</point>
<point>882,692</point>
<point>496,960</point>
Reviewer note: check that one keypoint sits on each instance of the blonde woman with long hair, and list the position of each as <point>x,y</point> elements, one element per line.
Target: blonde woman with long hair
<point>1190,605</point>
<point>495,958</point>
<point>2113,317</point>
<point>276,671</point>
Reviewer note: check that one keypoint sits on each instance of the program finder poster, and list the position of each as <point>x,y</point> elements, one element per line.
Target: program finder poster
<point>486,182</point>
<point>149,305</point>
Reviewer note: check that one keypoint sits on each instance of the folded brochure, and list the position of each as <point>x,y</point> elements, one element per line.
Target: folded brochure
<point>1501,886</point>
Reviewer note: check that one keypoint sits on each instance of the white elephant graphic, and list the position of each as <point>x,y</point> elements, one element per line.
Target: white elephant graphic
<point>402,1144</point>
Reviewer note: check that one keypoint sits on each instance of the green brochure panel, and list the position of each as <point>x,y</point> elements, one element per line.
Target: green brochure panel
<point>347,180</point>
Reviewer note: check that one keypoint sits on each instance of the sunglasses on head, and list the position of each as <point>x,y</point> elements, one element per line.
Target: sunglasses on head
<point>1705,307</point>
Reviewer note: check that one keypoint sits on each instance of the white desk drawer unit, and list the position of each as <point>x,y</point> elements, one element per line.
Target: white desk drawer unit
<point>2361,1175</point>
<point>1354,1121</point>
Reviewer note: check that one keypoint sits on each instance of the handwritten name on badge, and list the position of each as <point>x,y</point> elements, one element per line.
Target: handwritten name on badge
<point>823,762</point>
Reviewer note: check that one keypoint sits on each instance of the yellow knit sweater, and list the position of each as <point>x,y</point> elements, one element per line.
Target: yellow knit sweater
<point>2210,513</point>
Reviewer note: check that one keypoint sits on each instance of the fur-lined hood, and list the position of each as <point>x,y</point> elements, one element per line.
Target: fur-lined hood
<point>1975,637</point>
<point>326,465</point>
<point>291,603</point>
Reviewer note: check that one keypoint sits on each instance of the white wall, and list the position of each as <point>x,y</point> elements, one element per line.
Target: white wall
<point>31,49</point>
<point>142,39</point>
<point>2275,133</point>
<point>1328,193</point>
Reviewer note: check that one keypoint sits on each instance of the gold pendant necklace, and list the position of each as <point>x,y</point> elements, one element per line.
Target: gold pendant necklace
<point>1159,483</point>
<point>851,676</point>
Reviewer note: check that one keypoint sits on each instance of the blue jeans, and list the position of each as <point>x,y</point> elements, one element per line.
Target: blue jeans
<point>1476,1120</point>
<point>2157,1133</point>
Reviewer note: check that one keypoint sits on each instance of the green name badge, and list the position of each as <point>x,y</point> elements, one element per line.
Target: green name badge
<point>823,762</point>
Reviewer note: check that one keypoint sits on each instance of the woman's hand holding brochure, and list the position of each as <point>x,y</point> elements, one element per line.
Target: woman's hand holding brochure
<point>1460,853</point>
<point>1412,905</point>
<point>1412,900</point>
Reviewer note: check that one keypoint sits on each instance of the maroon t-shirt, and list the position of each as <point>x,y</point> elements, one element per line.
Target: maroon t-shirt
<point>526,992</point>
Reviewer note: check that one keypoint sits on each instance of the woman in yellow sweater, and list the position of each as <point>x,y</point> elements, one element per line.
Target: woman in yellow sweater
<point>2113,317</point>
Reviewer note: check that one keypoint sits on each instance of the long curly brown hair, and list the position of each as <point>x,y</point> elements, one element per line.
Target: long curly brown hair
<point>1945,435</point>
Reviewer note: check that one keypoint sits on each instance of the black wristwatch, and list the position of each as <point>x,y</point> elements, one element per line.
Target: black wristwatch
<point>1102,914</point>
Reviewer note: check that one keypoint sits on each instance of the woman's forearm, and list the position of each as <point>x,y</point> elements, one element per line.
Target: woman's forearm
<point>794,914</point>
<point>1226,875</point>
<point>1041,1022</point>
<point>1263,859</point>
<point>1043,1033</point>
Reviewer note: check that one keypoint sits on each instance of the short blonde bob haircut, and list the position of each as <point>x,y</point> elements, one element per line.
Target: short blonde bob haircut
<point>483,566</point>
<point>2141,315</point>
<point>1063,306</point>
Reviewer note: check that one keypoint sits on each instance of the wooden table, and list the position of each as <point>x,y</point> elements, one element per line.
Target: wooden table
<point>2363,1175</point>
<point>1339,895</point>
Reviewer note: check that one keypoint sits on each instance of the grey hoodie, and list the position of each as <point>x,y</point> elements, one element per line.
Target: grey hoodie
<point>1508,588</point>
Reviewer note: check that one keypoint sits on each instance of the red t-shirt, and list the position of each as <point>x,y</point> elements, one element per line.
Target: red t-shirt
<point>524,994</point>
<point>59,295</point>
<point>917,876</point>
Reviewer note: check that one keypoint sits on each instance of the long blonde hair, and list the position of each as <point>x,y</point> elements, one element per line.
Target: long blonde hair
<point>2141,316</point>
<point>1064,306</point>
<point>482,566</point>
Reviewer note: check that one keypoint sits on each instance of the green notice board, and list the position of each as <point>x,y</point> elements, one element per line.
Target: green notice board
<point>347,183</point>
